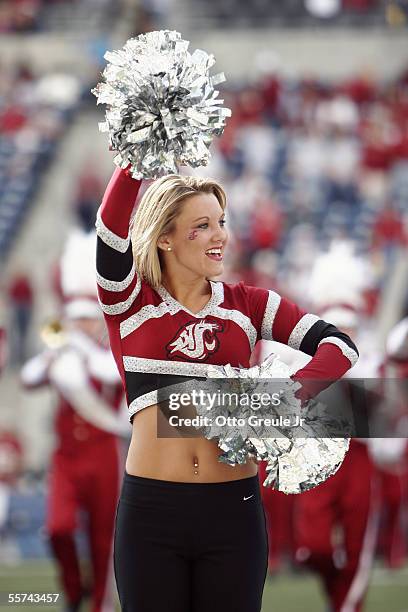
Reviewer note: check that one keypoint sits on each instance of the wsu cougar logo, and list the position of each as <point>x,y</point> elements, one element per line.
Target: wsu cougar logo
<point>195,340</point>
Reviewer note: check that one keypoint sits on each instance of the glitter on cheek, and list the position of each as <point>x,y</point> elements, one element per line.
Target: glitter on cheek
<point>193,235</point>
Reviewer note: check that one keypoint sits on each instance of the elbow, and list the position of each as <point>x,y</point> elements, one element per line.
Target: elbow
<point>323,333</point>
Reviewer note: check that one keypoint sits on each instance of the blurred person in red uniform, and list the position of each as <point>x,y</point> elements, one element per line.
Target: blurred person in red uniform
<point>85,466</point>
<point>291,520</point>
<point>391,454</point>
<point>302,528</point>
<point>21,299</point>
<point>336,524</point>
<point>279,509</point>
<point>391,459</point>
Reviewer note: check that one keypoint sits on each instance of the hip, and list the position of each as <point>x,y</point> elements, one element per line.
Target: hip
<point>187,503</point>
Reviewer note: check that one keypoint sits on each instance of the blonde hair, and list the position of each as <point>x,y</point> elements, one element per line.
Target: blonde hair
<point>156,214</point>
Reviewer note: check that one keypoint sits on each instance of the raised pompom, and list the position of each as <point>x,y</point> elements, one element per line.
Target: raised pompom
<point>162,108</point>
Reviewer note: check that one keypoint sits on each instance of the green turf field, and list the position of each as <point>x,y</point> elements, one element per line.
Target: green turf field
<point>284,593</point>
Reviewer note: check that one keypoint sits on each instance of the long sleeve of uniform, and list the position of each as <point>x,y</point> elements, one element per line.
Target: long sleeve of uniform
<point>81,396</point>
<point>118,284</point>
<point>35,372</point>
<point>277,318</point>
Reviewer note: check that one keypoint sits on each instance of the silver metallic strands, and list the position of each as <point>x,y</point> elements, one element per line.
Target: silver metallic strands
<point>295,462</point>
<point>162,107</point>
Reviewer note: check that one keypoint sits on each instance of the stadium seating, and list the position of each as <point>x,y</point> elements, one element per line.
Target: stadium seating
<point>291,13</point>
<point>26,16</point>
<point>30,129</point>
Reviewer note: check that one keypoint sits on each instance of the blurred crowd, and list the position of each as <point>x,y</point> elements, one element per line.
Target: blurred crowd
<point>298,13</point>
<point>29,16</point>
<point>20,15</point>
<point>34,114</point>
<point>305,162</point>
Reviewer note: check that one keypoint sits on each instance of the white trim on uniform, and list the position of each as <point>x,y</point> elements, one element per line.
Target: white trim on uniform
<point>171,306</point>
<point>217,297</point>
<point>300,330</point>
<point>117,286</point>
<point>240,319</point>
<point>120,307</point>
<point>348,352</point>
<point>144,314</point>
<point>110,238</point>
<point>162,366</point>
<point>153,397</point>
<point>271,308</point>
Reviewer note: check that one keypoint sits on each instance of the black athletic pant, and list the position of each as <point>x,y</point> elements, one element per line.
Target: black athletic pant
<point>190,547</point>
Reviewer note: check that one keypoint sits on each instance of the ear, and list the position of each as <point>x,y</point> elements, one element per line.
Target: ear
<point>164,242</point>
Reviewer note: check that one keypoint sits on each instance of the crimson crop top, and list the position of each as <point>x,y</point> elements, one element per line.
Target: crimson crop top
<point>157,342</point>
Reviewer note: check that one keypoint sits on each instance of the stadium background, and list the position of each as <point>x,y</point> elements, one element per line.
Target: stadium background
<point>317,148</point>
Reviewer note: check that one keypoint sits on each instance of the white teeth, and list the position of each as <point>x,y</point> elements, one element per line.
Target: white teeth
<point>214,252</point>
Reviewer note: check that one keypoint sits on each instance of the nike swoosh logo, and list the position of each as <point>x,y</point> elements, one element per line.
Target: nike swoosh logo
<point>245,498</point>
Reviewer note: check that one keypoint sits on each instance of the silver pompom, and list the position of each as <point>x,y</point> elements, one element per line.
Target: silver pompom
<point>294,463</point>
<point>163,110</point>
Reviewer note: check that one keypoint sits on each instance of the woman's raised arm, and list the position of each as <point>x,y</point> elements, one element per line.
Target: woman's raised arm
<point>118,284</point>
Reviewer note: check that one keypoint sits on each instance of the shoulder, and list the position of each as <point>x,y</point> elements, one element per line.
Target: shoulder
<point>253,300</point>
<point>231,292</point>
<point>246,292</point>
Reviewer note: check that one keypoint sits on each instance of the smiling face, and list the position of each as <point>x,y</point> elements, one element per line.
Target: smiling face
<point>198,239</point>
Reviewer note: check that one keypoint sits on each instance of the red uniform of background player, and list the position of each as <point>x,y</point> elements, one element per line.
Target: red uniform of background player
<point>391,454</point>
<point>85,466</point>
<point>336,523</point>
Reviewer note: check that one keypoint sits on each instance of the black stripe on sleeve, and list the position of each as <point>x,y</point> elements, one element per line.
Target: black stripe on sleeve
<point>318,332</point>
<point>112,264</point>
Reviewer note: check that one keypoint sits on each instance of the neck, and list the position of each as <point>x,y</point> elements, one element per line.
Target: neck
<point>186,290</point>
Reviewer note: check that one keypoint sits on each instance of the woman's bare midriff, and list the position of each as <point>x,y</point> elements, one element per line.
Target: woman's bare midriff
<point>176,458</point>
